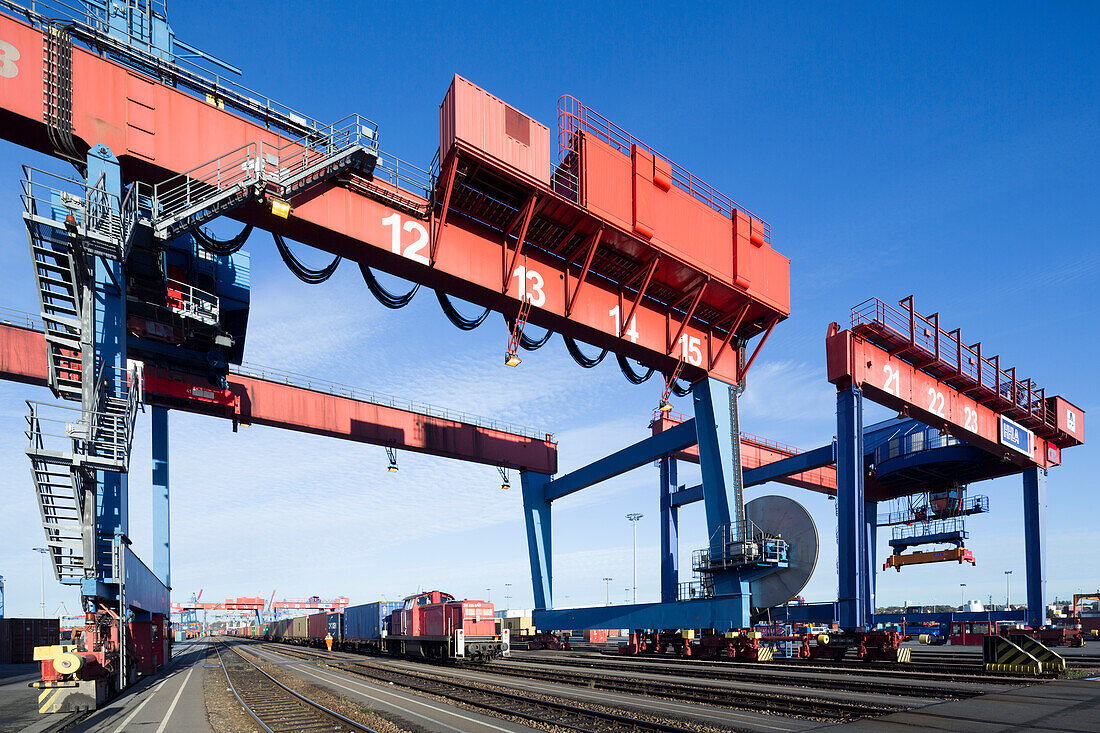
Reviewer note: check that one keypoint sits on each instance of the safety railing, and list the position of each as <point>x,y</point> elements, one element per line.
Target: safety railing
<point>946,350</point>
<point>693,590</point>
<point>94,214</point>
<point>739,544</point>
<point>101,437</point>
<point>977,504</point>
<point>90,26</point>
<point>294,379</point>
<point>234,170</point>
<point>191,302</point>
<point>922,440</point>
<point>23,319</point>
<point>575,118</point>
<point>953,527</point>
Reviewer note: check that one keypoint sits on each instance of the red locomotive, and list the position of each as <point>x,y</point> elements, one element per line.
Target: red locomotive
<point>436,626</point>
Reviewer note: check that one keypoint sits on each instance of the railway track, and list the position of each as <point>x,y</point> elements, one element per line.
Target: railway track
<point>807,706</point>
<point>276,707</point>
<point>930,670</point>
<point>524,707</point>
<point>945,691</point>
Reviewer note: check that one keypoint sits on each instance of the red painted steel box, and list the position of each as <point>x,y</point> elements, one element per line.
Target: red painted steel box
<point>635,192</point>
<point>595,636</point>
<point>487,127</point>
<point>1070,418</point>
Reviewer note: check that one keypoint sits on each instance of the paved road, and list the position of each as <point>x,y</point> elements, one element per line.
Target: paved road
<point>1060,705</point>
<point>171,702</point>
<point>18,703</point>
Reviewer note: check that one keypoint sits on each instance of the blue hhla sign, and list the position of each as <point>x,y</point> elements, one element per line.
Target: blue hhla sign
<point>1016,436</point>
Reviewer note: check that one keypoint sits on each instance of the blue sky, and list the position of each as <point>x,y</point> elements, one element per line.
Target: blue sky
<point>946,150</point>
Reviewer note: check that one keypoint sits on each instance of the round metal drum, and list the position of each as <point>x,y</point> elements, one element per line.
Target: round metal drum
<point>785,517</point>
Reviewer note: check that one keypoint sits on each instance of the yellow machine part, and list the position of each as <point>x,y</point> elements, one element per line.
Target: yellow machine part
<point>68,663</point>
<point>44,653</point>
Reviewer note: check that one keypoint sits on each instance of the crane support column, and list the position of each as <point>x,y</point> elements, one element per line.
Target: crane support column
<point>719,466</point>
<point>162,545</point>
<point>1035,529</point>
<point>110,356</point>
<point>536,515</point>
<point>670,566</point>
<point>870,556</point>
<point>851,510</point>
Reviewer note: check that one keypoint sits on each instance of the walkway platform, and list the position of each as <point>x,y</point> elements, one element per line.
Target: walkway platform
<point>1060,705</point>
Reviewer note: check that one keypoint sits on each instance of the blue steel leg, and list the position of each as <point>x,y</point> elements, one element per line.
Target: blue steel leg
<point>870,555</point>
<point>716,457</point>
<point>1035,529</point>
<point>536,514</point>
<point>851,532</point>
<point>162,541</point>
<point>670,567</point>
<point>112,502</point>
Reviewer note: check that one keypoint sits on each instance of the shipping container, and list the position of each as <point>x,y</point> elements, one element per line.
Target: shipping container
<point>24,634</point>
<point>299,628</point>
<point>317,627</point>
<point>5,642</point>
<point>334,625</point>
<point>488,128</point>
<point>595,636</point>
<point>363,624</point>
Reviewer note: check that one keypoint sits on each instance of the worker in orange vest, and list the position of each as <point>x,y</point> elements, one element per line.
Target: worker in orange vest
<point>328,641</point>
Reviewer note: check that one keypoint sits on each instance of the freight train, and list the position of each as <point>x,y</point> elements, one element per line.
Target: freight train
<point>432,625</point>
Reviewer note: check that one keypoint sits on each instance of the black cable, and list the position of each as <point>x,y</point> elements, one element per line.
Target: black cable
<point>303,273</point>
<point>384,296</point>
<point>680,391</point>
<point>525,341</point>
<point>578,355</point>
<point>628,371</point>
<point>222,247</point>
<point>459,320</point>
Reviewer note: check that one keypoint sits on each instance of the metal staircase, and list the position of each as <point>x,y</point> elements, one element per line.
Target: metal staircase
<point>250,172</point>
<point>58,280</point>
<point>69,224</point>
<point>66,445</point>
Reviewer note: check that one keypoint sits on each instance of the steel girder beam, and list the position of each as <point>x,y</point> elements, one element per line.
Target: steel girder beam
<point>251,400</point>
<point>707,613</point>
<point>631,457</point>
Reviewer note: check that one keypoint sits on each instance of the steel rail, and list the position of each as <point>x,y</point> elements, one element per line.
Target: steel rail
<point>946,692</point>
<point>267,678</point>
<point>560,714</point>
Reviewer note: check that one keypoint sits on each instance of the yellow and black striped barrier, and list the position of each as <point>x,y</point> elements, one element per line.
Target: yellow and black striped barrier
<point>1049,661</point>
<point>51,698</point>
<point>1002,655</point>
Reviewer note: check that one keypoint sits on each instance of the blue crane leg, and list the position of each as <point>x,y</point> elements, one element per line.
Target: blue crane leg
<point>536,515</point>
<point>870,555</point>
<point>851,530</point>
<point>162,541</point>
<point>1035,529</point>
<point>716,460</point>
<point>670,548</point>
<point>112,501</point>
